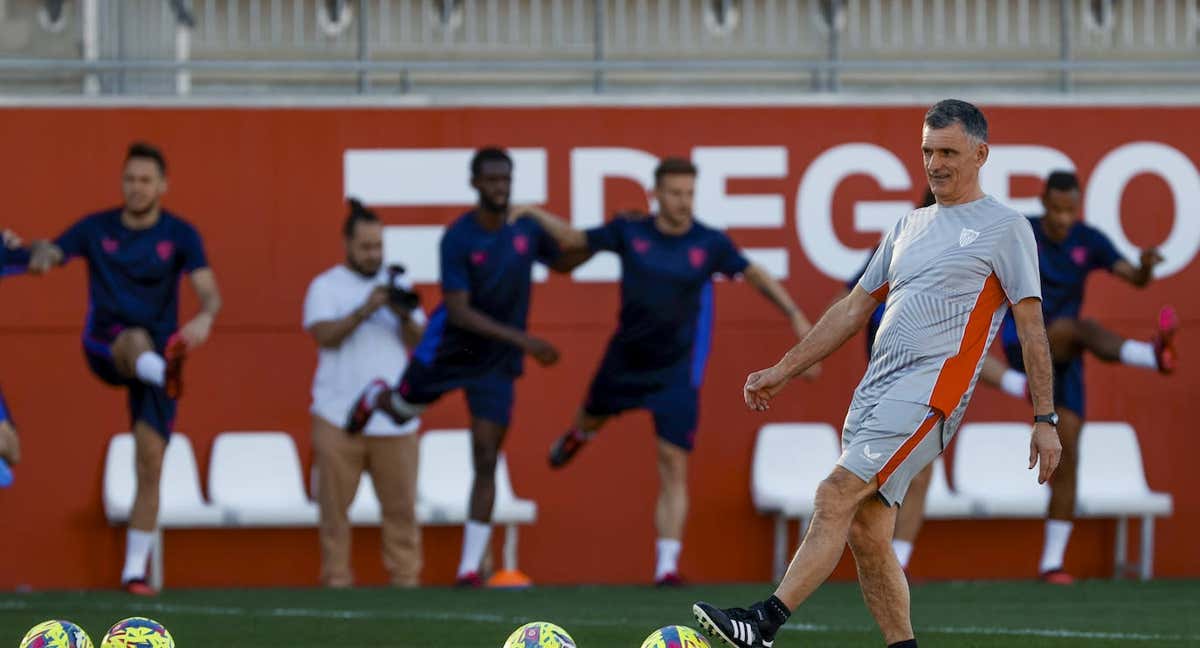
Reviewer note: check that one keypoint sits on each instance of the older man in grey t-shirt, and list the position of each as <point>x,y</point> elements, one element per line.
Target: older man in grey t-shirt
<point>948,273</point>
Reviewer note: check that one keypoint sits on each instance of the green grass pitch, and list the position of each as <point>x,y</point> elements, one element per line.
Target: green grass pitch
<point>961,615</point>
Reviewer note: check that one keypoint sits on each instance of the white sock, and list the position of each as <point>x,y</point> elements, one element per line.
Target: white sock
<point>151,368</point>
<point>903,549</point>
<point>1013,383</point>
<point>476,537</point>
<point>1136,353</point>
<point>1058,532</point>
<point>138,545</point>
<point>668,556</point>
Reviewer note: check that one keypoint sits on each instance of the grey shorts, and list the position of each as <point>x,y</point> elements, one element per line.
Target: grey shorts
<point>891,440</point>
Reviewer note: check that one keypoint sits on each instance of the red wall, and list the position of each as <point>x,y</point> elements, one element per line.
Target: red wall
<point>264,186</point>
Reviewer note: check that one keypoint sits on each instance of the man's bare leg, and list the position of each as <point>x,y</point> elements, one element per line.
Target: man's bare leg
<point>884,587</point>
<point>1063,486</point>
<point>150,447</point>
<point>837,501</point>
<point>670,514</point>
<point>486,439</point>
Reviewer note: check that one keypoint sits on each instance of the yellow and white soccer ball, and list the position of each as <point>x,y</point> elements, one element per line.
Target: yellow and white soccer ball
<point>539,634</point>
<point>137,632</point>
<point>676,637</point>
<point>56,634</point>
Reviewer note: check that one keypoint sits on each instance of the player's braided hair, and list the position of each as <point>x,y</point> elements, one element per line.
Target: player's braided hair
<point>358,214</point>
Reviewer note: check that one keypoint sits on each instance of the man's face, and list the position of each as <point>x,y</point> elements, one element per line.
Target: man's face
<point>675,194</point>
<point>364,250</point>
<point>142,185</point>
<point>494,184</point>
<point>952,160</point>
<point>1062,212</point>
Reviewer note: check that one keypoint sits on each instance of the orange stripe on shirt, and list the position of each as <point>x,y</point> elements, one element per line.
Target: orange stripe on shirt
<point>881,292</point>
<point>906,448</point>
<point>960,368</point>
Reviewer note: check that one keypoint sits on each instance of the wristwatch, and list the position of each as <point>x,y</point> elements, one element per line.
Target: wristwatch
<point>1051,418</point>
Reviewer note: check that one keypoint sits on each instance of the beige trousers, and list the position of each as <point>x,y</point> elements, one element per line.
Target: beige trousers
<point>392,462</point>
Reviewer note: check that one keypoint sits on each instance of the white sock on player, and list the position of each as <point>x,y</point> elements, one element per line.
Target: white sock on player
<point>151,368</point>
<point>903,550</point>
<point>138,545</point>
<point>1136,353</point>
<point>476,538</point>
<point>668,557</point>
<point>1058,532</point>
<point>1013,383</point>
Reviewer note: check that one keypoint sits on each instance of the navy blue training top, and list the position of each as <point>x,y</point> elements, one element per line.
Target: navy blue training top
<point>666,287</point>
<point>494,267</point>
<point>133,274</point>
<point>1064,269</point>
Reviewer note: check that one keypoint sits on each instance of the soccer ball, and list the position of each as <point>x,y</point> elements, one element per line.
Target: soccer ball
<point>137,632</point>
<point>675,637</point>
<point>56,634</point>
<point>539,634</point>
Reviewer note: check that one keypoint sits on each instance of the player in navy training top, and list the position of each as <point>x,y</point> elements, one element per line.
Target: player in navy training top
<point>1068,250</point>
<point>13,260</point>
<point>136,255</point>
<point>476,339</point>
<point>656,358</point>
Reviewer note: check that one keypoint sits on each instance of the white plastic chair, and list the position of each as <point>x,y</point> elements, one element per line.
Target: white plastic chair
<point>991,469</point>
<point>943,503</point>
<point>790,460</point>
<point>256,477</point>
<point>1112,483</point>
<point>444,481</point>
<point>181,503</point>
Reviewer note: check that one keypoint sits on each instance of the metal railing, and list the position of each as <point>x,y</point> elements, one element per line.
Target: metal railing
<point>362,46</point>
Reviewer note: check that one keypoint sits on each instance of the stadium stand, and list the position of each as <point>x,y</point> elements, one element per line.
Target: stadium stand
<point>401,46</point>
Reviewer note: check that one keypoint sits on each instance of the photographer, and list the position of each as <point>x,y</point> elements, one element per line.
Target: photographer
<point>364,317</point>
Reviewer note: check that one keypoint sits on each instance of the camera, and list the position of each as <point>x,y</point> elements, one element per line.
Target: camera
<point>398,295</point>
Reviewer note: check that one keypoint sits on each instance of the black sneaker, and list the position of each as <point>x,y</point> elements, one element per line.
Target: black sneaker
<point>364,406</point>
<point>735,627</point>
<point>566,446</point>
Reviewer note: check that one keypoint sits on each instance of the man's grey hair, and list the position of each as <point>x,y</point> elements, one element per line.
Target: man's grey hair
<point>947,112</point>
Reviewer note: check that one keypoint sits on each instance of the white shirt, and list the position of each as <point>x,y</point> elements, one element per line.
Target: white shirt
<point>373,350</point>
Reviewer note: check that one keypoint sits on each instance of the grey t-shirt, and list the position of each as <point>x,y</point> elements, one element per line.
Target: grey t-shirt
<point>948,275</point>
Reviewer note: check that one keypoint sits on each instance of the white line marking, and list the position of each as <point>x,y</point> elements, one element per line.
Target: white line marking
<point>314,613</point>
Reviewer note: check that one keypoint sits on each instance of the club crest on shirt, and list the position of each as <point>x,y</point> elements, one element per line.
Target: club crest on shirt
<point>697,256</point>
<point>1079,255</point>
<point>967,237</point>
<point>478,258</point>
<point>165,249</point>
<point>109,245</point>
<point>641,245</point>
<point>521,244</point>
